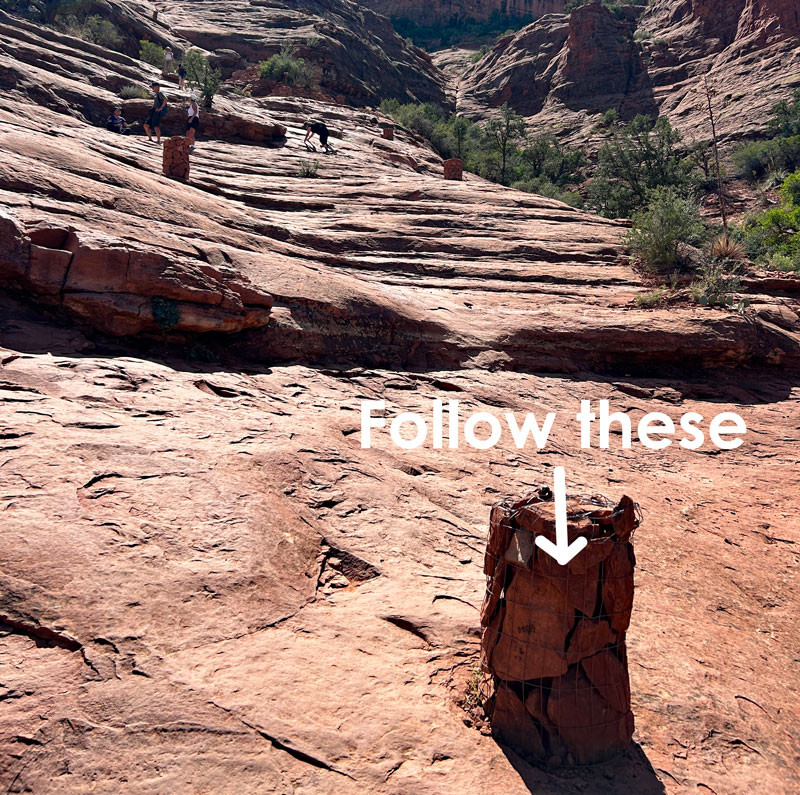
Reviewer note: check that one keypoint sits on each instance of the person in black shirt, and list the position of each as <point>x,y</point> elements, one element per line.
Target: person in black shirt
<point>153,123</point>
<point>320,129</point>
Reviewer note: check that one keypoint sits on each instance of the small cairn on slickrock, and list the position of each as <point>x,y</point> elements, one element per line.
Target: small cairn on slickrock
<point>453,169</point>
<point>553,651</point>
<point>176,158</point>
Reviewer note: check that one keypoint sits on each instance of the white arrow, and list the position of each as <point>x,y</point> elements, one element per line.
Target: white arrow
<point>562,550</point>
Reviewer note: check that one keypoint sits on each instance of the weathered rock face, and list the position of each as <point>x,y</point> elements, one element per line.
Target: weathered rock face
<point>121,288</point>
<point>353,51</point>
<point>562,70</point>
<point>429,13</point>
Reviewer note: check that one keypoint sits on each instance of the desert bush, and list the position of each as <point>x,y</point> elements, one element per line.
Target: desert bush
<point>476,56</point>
<point>716,283</point>
<point>166,312</point>
<point>134,92</point>
<point>101,31</point>
<point>151,53</point>
<point>783,262</point>
<point>308,169</point>
<point>658,230</point>
<point>776,231</point>
<point>610,118</point>
<point>543,187</point>
<point>651,298</point>
<point>758,159</point>
<point>286,66</point>
<point>201,76</point>
<point>725,247</point>
<point>537,165</point>
<point>458,29</point>
<point>639,157</point>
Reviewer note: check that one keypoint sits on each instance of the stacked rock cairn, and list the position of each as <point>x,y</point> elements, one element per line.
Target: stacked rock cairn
<point>553,654</point>
<point>176,158</point>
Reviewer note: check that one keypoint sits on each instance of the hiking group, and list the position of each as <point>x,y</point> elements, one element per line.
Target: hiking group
<point>117,123</point>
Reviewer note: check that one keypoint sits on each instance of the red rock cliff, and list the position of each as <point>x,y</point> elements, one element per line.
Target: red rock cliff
<point>429,13</point>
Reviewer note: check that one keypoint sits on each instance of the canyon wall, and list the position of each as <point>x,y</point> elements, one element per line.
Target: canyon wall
<point>562,70</point>
<point>429,13</point>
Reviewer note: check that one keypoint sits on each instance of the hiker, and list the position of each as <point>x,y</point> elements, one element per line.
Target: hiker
<point>181,75</point>
<point>192,121</point>
<point>153,123</point>
<point>168,60</point>
<point>116,122</point>
<point>317,128</point>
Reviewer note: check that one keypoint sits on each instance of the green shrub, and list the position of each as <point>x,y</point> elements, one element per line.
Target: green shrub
<point>134,92</point>
<point>539,165</point>
<point>308,169</point>
<point>476,56</point>
<point>166,313</point>
<point>785,119</point>
<point>776,231</point>
<point>668,220</point>
<point>201,77</point>
<point>151,53</point>
<point>458,29</point>
<point>610,117</point>
<point>639,157</point>
<point>101,31</point>
<point>758,159</point>
<point>286,66</point>
<point>716,284</point>
<point>615,6</point>
<point>783,262</point>
<point>650,299</point>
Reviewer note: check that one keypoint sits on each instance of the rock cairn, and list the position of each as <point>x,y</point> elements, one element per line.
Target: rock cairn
<point>453,169</point>
<point>176,158</point>
<point>553,649</point>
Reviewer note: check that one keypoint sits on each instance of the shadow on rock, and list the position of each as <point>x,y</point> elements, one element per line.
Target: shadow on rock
<point>631,772</point>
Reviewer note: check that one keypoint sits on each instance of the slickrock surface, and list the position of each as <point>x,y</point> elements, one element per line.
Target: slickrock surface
<point>207,585</point>
<point>564,70</point>
<point>213,587</point>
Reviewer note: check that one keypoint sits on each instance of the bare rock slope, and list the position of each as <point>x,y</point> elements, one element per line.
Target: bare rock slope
<point>206,584</point>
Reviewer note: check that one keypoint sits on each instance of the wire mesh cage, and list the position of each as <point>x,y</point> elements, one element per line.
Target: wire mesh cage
<point>553,657</point>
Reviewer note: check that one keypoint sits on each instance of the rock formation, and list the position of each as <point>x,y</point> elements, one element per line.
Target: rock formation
<point>353,51</point>
<point>444,11</point>
<point>553,644</point>
<point>176,158</point>
<point>562,70</point>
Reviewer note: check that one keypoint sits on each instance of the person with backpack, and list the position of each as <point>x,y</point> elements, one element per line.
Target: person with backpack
<point>181,75</point>
<point>192,121</point>
<point>157,113</point>
<point>317,128</point>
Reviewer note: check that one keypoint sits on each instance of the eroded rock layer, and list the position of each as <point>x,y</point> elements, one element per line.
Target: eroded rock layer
<point>563,70</point>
